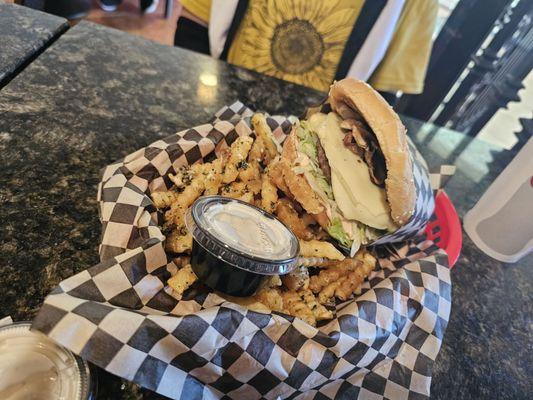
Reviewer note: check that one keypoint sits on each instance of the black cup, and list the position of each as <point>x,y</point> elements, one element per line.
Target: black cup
<point>229,269</point>
<point>221,276</point>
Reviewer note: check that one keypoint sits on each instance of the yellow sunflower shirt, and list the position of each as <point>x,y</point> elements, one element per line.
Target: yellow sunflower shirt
<point>302,41</point>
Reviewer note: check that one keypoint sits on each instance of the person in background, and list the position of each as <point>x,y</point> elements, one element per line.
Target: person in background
<point>147,6</point>
<point>313,42</point>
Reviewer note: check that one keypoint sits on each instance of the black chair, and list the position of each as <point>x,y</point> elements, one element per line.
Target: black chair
<point>69,9</point>
<point>75,9</point>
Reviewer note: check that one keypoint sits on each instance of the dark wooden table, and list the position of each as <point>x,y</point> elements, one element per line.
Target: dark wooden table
<point>98,94</point>
<point>24,33</point>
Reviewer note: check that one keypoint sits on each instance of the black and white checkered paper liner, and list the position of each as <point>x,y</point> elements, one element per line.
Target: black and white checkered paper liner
<point>121,316</point>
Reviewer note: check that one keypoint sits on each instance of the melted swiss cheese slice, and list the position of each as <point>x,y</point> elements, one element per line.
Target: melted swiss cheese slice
<point>357,197</point>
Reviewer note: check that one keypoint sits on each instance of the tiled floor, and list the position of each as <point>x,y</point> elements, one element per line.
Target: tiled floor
<point>129,18</point>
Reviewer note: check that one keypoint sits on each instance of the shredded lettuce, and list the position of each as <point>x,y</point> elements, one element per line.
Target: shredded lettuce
<point>308,140</point>
<point>371,234</point>
<point>307,145</point>
<point>362,234</point>
<point>337,232</point>
<point>324,185</point>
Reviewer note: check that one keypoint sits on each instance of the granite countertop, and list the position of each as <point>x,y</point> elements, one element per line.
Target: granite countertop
<point>98,94</point>
<point>25,33</point>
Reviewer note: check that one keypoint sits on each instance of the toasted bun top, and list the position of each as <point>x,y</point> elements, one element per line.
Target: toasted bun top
<point>348,95</point>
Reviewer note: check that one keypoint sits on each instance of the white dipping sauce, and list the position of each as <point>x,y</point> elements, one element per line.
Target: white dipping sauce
<point>246,229</point>
<point>32,367</point>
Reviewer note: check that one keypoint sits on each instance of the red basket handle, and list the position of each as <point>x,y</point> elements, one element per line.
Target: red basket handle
<point>446,230</point>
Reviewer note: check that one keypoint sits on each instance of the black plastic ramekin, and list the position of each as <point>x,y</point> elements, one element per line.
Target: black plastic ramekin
<point>236,245</point>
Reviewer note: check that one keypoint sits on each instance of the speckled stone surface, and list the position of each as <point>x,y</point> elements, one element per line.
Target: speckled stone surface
<point>98,94</point>
<point>23,33</point>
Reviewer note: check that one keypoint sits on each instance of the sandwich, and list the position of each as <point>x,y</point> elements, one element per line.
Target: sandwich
<point>349,166</point>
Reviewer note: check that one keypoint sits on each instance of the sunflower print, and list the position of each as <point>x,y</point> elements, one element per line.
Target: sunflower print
<point>296,40</point>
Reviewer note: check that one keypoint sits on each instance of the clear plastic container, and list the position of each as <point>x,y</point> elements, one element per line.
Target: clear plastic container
<point>236,245</point>
<point>501,222</point>
<point>33,367</point>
